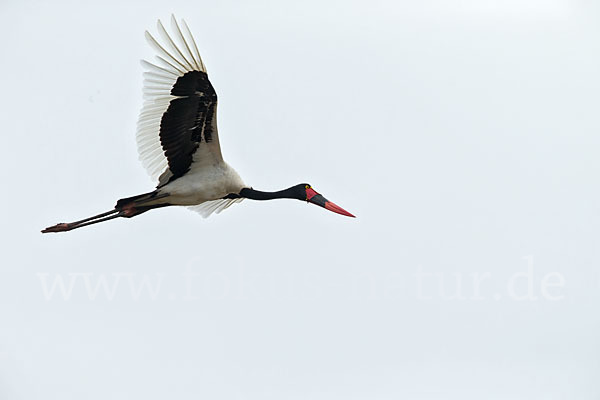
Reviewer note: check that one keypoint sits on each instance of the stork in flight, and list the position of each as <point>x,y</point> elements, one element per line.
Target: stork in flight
<point>178,142</point>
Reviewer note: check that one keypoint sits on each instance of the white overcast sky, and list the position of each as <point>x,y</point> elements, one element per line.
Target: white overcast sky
<point>462,133</point>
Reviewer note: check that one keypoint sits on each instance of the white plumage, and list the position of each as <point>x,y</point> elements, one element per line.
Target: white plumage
<point>158,81</point>
<point>210,178</point>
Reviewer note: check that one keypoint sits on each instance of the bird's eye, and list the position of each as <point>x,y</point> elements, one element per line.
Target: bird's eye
<point>307,186</point>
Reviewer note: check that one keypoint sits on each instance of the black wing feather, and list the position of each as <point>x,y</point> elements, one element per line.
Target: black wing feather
<point>187,121</point>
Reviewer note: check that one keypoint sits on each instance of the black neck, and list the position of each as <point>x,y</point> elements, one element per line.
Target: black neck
<point>250,193</point>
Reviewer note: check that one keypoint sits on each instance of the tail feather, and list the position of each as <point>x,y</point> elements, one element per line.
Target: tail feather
<point>136,200</point>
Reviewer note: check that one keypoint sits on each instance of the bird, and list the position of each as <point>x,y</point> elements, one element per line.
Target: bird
<point>178,141</point>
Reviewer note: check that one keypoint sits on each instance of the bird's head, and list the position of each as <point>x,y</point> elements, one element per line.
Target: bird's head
<point>305,192</point>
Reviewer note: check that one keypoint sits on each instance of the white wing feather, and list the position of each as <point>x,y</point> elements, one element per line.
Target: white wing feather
<point>158,80</point>
<point>175,60</point>
<point>216,206</point>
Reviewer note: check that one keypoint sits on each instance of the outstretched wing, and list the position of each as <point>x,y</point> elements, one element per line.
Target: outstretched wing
<point>178,122</point>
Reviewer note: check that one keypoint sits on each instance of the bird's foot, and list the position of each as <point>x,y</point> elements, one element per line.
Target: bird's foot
<point>62,227</point>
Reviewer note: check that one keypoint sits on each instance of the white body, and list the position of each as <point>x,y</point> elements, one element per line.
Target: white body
<point>204,184</point>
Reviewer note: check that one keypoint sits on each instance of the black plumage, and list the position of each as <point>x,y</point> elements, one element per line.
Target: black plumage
<point>189,119</point>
